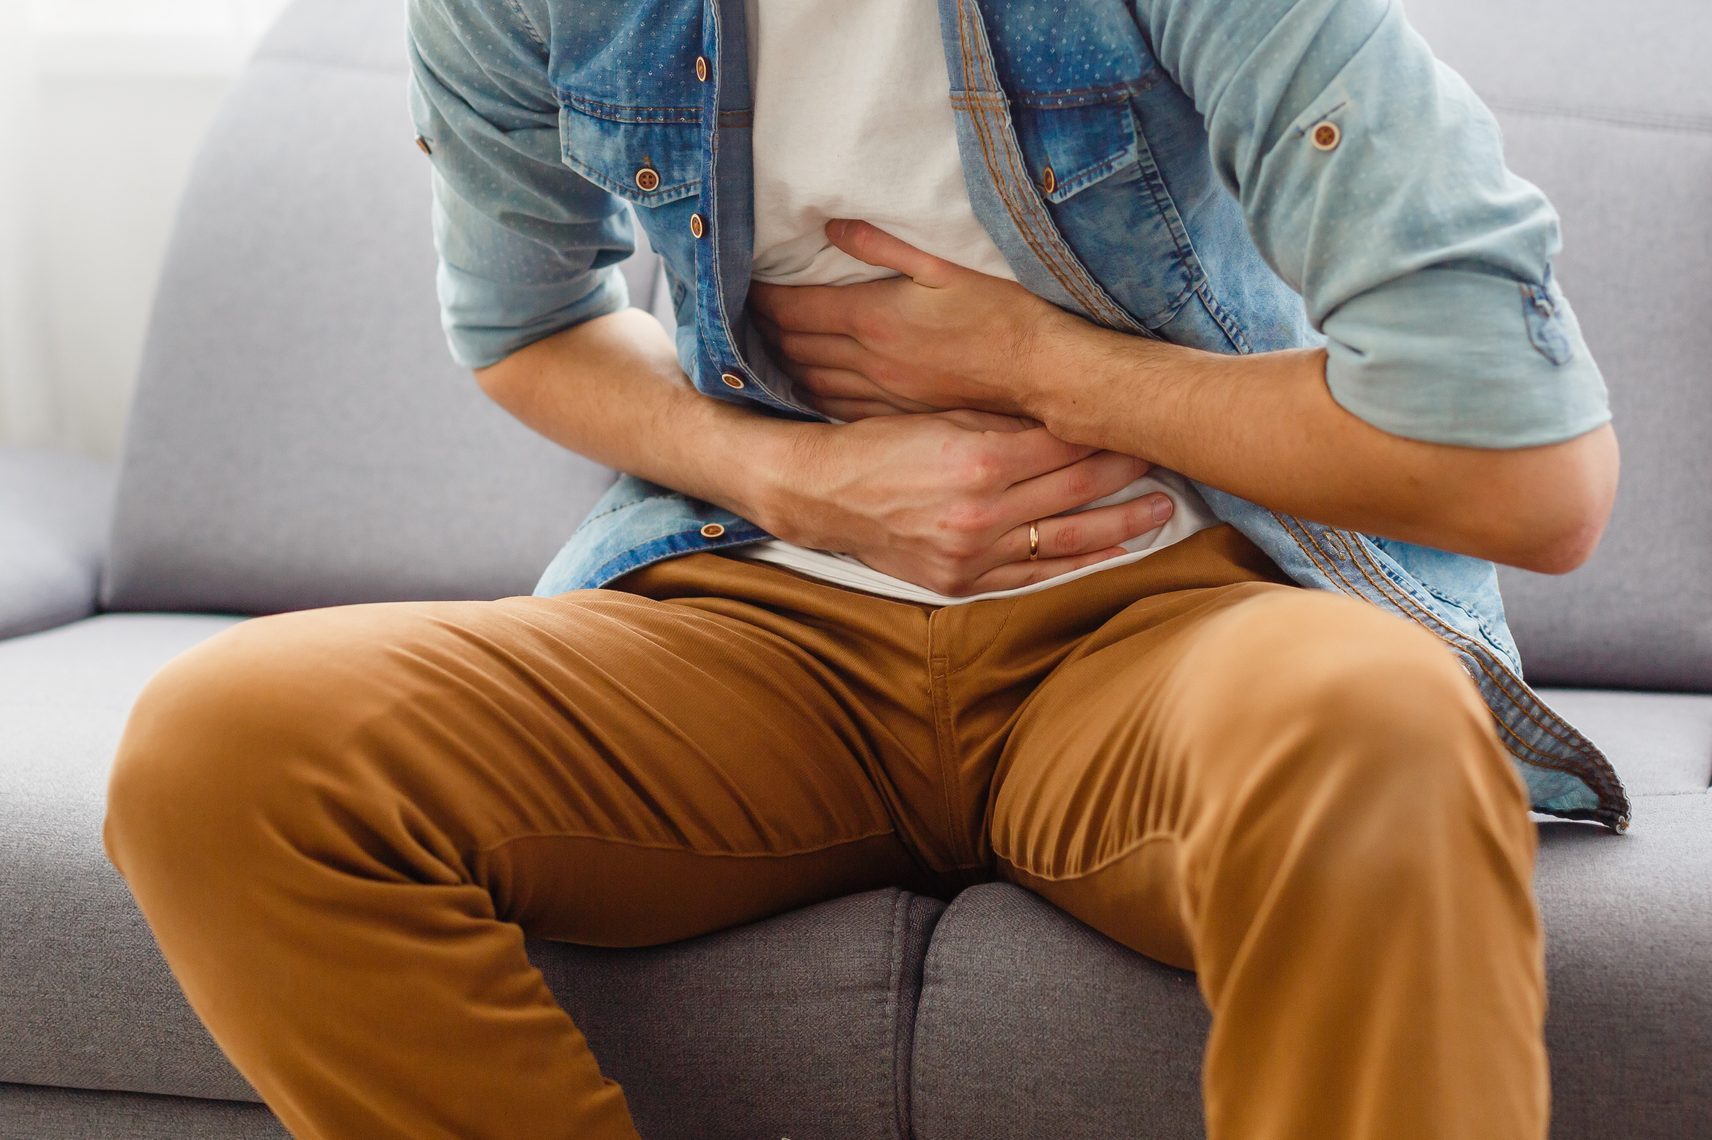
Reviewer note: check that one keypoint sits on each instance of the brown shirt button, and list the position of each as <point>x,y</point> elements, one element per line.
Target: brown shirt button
<point>731,381</point>
<point>422,145</point>
<point>712,530</point>
<point>1326,136</point>
<point>701,68</point>
<point>1048,180</point>
<point>647,178</point>
<point>696,226</point>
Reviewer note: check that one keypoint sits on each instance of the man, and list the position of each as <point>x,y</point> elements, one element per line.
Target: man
<point>962,292</point>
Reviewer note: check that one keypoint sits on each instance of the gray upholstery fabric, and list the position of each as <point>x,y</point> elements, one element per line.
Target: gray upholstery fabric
<point>29,1112</point>
<point>799,1026</point>
<point>786,1027</point>
<point>54,508</point>
<point>1607,110</point>
<point>1032,1024</point>
<point>300,436</point>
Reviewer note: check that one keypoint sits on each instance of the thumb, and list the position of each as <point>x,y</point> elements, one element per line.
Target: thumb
<point>869,243</point>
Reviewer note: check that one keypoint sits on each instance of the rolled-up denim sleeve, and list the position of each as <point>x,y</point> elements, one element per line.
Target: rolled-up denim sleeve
<point>1373,181</point>
<point>526,246</point>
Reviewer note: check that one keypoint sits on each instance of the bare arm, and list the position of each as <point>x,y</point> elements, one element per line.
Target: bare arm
<point>1265,427</point>
<point>611,389</point>
<point>939,499</point>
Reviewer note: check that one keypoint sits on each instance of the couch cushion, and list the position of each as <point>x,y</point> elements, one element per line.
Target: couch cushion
<point>796,1026</point>
<point>1032,1024</point>
<point>53,526</point>
<point>300,435</point>
<point>1608,111</point>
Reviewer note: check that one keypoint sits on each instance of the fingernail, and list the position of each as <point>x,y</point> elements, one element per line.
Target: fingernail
<point>839,225</point>
<point>1161,509</point>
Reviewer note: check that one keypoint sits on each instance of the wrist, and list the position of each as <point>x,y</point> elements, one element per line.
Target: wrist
<point>1054,370</point>
<point>777,460</point>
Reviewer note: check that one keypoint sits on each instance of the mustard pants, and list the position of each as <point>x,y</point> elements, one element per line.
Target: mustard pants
<point>340,823</point>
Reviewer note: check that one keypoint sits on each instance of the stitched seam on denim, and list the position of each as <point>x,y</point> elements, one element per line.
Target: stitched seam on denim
<point>1124,852</point>
<point>1223,317</point>
<point>1485,626</point>
<point>516,7</point>
<point>1167,211</point>
<point>1032,206</point>
<point>489,848</point>
<point>628,113</point>
<point>1056,259</point>
<point>1588,771</point>
<point>1330,569</point>
<point>1592,775</point>
<point>1463,638</point>
<point>978,122</point>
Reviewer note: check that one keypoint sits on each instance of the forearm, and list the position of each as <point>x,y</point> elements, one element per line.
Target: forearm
<point>611,389</point>
<point>1265,427</point>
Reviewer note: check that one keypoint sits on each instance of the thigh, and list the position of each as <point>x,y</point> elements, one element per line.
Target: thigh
<point>1161,735</point>
<point>613,768</point>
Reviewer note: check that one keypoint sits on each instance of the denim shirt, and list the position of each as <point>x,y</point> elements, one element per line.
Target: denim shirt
<point>1237,177</point>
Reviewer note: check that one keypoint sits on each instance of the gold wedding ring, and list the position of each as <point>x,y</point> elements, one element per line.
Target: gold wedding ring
<point>1033,541</point>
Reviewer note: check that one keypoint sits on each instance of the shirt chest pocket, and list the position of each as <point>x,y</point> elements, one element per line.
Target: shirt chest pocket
<point>650,156</point>
<point>1092,168</point>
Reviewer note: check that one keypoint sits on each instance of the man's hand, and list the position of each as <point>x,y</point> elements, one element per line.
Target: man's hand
<point>944,499</point>
<point>941,336</point>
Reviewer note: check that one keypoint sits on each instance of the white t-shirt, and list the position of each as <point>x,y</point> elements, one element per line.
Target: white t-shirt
<point>853,120</point>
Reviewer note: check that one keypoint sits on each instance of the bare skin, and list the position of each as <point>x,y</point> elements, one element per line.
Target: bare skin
<point>1263,426</point>
<point>939,498</point>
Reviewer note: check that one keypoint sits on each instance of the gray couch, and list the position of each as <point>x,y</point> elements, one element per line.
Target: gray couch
<point>299,438</point>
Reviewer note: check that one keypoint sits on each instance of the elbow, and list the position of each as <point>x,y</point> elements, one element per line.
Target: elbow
<point>1560,512</point>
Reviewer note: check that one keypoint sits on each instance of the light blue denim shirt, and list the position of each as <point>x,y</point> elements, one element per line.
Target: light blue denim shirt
<point>1238,177</point>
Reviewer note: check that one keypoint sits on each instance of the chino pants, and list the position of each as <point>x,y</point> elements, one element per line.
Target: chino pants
<point>340,823</point>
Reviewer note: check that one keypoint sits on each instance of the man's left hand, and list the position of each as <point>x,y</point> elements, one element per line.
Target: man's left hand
<point>941,336</point>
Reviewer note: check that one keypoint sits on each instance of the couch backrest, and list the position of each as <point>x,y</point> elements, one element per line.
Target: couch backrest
<point>1606,107</point>
<point>299,435</point>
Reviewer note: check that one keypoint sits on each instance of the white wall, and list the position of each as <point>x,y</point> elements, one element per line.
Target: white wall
<point>102,104</point>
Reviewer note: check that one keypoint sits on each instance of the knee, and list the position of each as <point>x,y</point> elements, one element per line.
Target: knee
<point>1369,716</point>
<point>207,751</point>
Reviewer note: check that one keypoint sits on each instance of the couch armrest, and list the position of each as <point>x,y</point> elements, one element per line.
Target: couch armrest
<point>54,511</point>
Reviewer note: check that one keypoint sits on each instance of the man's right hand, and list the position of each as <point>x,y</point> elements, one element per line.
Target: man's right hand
<point>944,499</point>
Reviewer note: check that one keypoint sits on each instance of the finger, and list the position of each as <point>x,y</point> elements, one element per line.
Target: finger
<point>1083,532</point>
<point>825,350</point>
<point>1025,573</point>
<point>850,410</point>
<point>1030,453</point>
<point>806,308</point>
<point>869,243</point>
<point>1073,485</point>
<point>979,419</point>
<point>836,384</point>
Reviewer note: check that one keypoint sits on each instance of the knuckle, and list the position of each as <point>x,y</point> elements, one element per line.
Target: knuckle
<point>964,520</point>
<point>1079,480</point>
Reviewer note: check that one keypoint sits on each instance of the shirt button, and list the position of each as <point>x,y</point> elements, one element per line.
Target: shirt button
<point>701,68</point>
<point>731,381</point>
<point>647,178</point>
<point>1048,180</point>
<point>696,226</point>
<point>1326,136</point>
<point>422,145</point>
<point>712,530</point>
